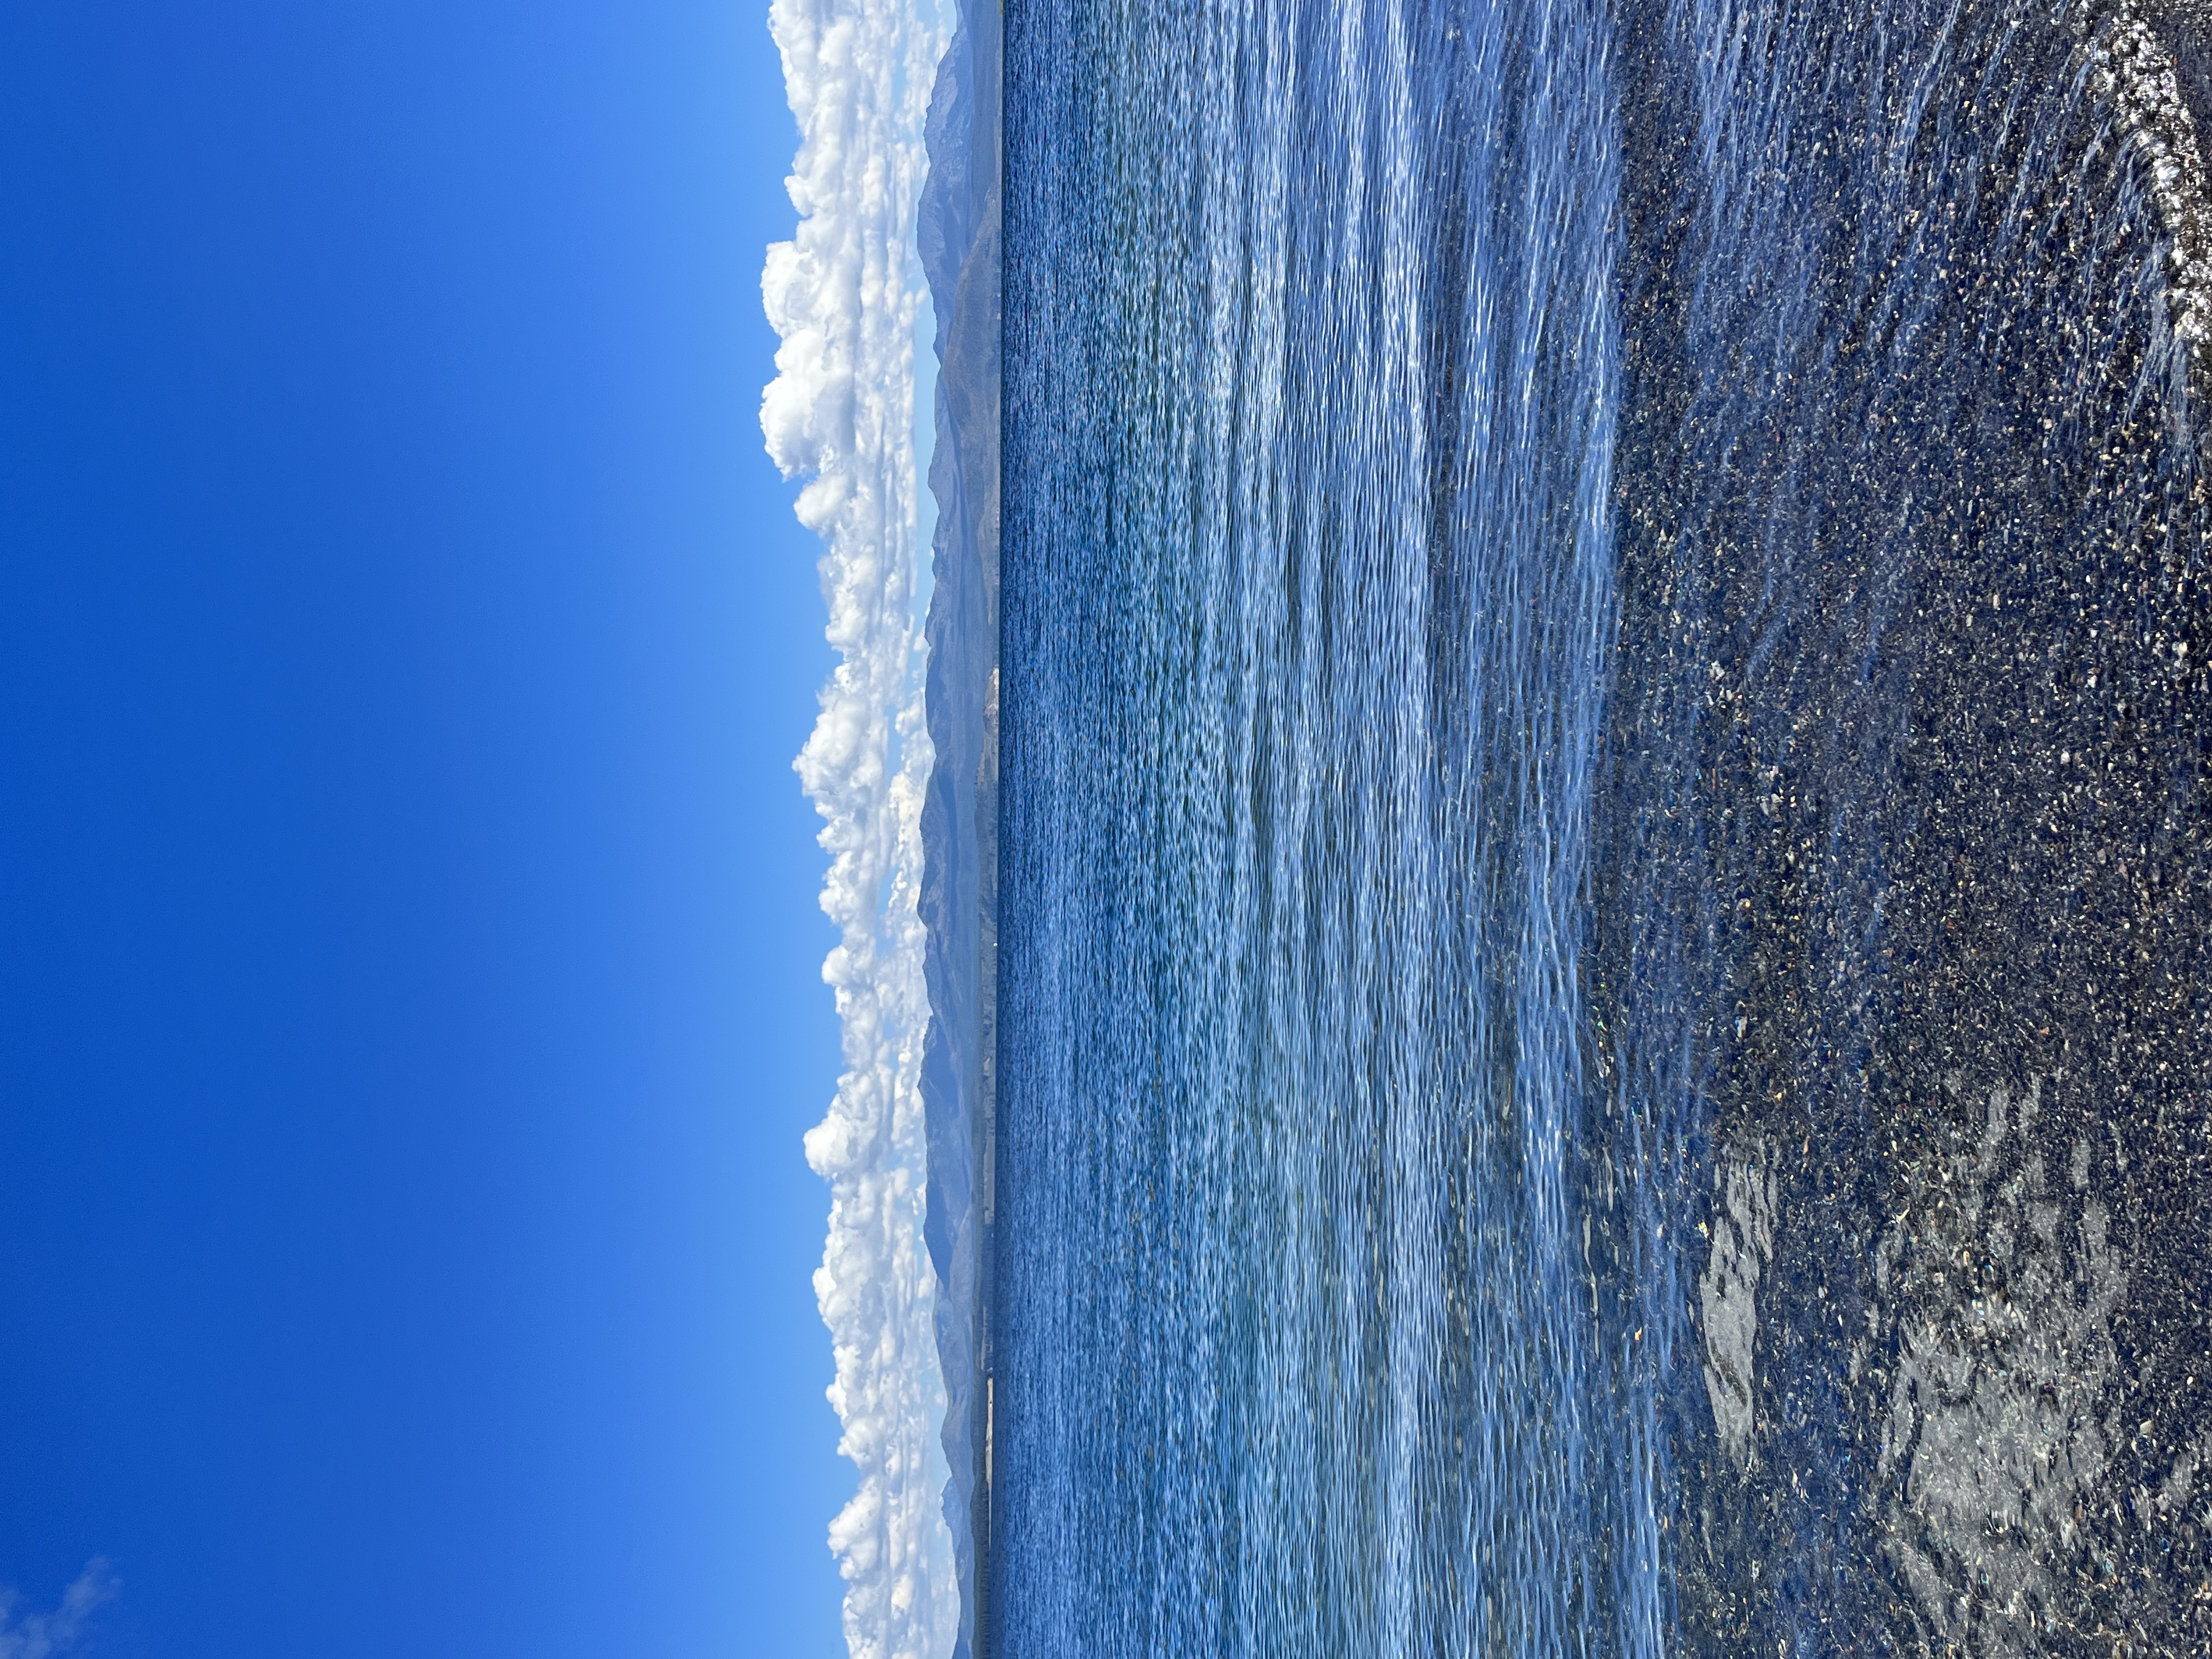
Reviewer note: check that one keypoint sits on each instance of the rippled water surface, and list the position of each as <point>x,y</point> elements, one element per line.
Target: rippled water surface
<point>1602,1030</point>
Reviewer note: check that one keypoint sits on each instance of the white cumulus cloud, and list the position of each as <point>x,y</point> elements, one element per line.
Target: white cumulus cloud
<point>843,294</point>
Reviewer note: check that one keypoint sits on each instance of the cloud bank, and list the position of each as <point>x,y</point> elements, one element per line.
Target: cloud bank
<point>844,295</point>
<point>50,1635</point>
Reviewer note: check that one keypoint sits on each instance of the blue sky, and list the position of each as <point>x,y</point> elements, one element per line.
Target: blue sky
<point>409,957</point>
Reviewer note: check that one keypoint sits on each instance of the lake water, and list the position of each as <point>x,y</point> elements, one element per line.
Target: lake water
<point>1582,1022</point>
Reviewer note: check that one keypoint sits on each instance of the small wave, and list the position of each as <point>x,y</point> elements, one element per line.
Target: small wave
<point>2132,68</point>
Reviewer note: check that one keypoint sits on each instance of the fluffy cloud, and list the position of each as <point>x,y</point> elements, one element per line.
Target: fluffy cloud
<point>50,1635</point>
<point>843,294</point>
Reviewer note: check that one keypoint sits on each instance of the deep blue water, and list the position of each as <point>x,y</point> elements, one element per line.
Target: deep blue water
<point>1595,1036</point>
<point>1313,378</point>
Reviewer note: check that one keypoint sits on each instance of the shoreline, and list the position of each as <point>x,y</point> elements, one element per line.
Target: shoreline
<point>957,234</point>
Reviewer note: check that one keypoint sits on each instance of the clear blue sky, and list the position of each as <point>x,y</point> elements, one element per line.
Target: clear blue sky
<point>409,960</point>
